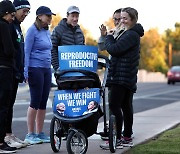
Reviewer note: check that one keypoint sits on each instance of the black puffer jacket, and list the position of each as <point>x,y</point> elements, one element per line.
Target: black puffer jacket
<point>125,54</point>
<point>65,34</point>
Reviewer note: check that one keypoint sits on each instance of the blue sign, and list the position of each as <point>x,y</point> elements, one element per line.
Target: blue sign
<point>80,57</point>
<point>70,103</point>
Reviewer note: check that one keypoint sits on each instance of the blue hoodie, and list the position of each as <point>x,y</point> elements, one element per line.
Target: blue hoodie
<point>37,49</point>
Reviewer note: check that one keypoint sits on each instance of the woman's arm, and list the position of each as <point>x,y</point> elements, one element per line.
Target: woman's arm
<point>124,43</point>
<point>29,42</point>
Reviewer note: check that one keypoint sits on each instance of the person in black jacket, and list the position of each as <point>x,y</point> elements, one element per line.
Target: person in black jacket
<point>22,10</point>
<point>67,32</point>
<point>7,52</point>
<point>122,75</point>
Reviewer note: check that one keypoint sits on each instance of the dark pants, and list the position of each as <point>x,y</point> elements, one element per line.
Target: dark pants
<point>6,79</point>
<point>10,110</point>
<point>39,84</point>
<point>120,103</point>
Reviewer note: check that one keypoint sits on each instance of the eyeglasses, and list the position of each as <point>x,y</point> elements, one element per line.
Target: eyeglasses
<point>26,11</point>
<point>116,19</point>
<point>13,14</point>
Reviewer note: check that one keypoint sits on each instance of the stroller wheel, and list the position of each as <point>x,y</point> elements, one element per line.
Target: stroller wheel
<point>112,134</point>
<point>55,136</point>
<point>77,142</point>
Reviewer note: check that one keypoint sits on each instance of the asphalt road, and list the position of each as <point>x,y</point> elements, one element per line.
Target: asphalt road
<point>148,96</point>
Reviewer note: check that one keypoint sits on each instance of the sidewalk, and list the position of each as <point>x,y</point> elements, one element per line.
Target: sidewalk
<point>147,125</point>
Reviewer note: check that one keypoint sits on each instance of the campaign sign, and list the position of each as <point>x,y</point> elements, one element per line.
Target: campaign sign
<point>80,57</point>
<point>70,103</point>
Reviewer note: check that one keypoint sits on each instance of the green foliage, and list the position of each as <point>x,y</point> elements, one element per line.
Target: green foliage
<point>176,58</point>
<point>153,52</point>
<point>173,37</point>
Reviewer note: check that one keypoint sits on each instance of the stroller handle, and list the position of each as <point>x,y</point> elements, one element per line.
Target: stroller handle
<point>106,66</point>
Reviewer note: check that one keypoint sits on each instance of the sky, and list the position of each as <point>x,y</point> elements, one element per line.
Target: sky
<point>161,14</point>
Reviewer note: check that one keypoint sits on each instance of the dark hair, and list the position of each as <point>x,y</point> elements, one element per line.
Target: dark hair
<point>117,11</point>
<point>132,13</point>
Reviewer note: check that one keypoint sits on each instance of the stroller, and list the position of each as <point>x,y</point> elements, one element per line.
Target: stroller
<point>76,104</point>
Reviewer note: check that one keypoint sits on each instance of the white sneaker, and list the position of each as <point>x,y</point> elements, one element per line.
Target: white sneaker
<point>12,143</point>
<point>105,145</point>
<point>25,144</point>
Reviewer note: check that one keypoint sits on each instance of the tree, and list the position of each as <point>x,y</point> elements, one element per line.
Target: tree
<point>89,40</point>
<point>153,52</point>
<point>55,21</point>
<point>173,37</point>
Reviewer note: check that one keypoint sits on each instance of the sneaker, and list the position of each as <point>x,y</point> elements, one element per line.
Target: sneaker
<point>32,139</point>
<point>43,137</point>
<point>132,134</point>
<point>119,144</point>
<point>5,148</point>
<point>105,145</point>
<point>127,141</point>
<point>19,140</point>
<point>9,140</point>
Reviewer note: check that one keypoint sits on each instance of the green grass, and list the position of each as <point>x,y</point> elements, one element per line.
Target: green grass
<point>166,143</point>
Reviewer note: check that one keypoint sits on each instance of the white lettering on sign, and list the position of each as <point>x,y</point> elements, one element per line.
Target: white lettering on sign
<point>81,63</point>
<point>76,109</point>
<point>78,55</point>
<point>88,95</point>
<point>80,102</point>
<point>71,102</point>
<point>77,95</point>
<point>66,96</point>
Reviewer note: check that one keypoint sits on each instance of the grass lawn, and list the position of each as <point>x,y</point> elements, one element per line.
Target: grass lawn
<point>166,143</point>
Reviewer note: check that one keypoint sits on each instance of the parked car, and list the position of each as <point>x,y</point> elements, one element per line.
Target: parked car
<point>173,75</point>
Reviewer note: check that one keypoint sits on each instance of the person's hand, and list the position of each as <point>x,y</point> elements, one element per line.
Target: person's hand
<point>111,32</point>
<point>103,30</point>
